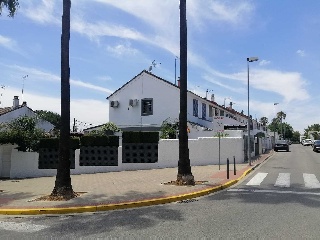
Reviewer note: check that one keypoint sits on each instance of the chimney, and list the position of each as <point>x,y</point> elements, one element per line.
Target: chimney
<point>24,103</point>
<point>15,102</point>
<point>230,106</point>
<point>178,82</point>
<point>212,98</point>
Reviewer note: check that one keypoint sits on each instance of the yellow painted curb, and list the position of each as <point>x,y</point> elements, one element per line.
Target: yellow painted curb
<point>126,205</point>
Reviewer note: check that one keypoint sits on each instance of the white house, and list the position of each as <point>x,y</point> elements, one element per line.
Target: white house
<point>144,102</point>
<point>8,114</point>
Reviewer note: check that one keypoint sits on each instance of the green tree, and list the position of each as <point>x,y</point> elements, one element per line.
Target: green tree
<point>274,126</point>
<point>23,132</point>
<point>314,130</point>
<point>63,188</point>
<point>49,116</point>
<point>295,136</point>
<point>281,116</point>
<point>11,5</point>
<point>264,121</point>
<point>282,128</point>
<point>287,131</point>
<point>184,176</point>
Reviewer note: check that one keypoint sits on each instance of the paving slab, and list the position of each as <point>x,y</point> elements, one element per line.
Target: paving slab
<point>118,190</point>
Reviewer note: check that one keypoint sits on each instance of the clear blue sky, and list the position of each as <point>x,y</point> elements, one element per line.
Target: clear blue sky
<point>112,41</point>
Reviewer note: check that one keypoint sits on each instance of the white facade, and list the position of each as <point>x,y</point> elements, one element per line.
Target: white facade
<point>144,86</point>
<point>126,106</point>
<point>22,110</point>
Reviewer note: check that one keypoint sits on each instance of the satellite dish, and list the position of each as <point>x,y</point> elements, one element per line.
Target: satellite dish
<point>150,68</point>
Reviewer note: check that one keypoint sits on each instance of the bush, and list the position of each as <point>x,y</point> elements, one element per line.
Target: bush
<point>23,132</point>
<point>169,130</point>
<point>108,128</point>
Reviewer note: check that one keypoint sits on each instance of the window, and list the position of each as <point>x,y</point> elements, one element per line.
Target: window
<point>210,111</point>
<point>221,113</point>
<point>204,111</point>
<point>195,107</point>
<point>216,112</point>
<point>146,106</point>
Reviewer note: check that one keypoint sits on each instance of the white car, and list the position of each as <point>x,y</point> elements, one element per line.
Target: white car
<point>307,142</point>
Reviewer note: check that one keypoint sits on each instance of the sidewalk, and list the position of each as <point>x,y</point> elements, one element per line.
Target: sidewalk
<point>118,190</point>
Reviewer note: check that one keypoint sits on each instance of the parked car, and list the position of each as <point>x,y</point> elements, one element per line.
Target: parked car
<point>307,142</point>
<point>281,145</point>
<point>316,146</point>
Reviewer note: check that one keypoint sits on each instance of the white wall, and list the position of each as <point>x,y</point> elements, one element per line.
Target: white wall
<point>202,151</point>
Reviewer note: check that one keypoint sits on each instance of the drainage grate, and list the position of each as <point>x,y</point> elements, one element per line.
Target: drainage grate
<point>188,200</point>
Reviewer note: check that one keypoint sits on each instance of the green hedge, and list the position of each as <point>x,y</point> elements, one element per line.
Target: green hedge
<point>54,143</point>
<point>140,137</point>
<point>99,141</point>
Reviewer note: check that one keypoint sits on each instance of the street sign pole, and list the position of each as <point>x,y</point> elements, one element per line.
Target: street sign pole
<point>219,128</point>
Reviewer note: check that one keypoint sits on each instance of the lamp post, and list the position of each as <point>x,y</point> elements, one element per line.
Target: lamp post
<point>250,59</point>
<point>175,70</point>
<point>275,112</point>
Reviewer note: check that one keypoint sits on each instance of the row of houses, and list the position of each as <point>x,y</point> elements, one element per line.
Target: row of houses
<point>146,101</point>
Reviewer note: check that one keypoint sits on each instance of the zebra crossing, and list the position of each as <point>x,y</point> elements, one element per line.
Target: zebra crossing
<point>283,180</point>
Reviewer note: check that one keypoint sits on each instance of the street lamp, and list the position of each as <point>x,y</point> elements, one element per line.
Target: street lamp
<point>250,59</point>
<point>274,131</point>
<point>175,70</point>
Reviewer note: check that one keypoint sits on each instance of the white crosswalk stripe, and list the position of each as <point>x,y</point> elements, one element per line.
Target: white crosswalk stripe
<point>257,179</point>
<point>283,180</point>
<point>310,181</point>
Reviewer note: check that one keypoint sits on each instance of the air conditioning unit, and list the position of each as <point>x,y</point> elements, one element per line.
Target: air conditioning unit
<point>133,102</point>
<point>114,104</point>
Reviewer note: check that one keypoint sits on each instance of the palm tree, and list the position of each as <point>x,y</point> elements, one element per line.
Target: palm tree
<point>264,121</point>
<point>184,176</point>
<point>63,187</point>
<point>11,5</point>
<point>281,115</point>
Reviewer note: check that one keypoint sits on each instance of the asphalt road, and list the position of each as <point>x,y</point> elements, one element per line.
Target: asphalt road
<point>278,200</point>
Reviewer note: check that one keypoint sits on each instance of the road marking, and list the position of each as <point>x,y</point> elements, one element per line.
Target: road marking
<point>283,180</point>
<point>271,191</point>
<point>310,181</point>
<point>21,227</point>
<point>257,179</point>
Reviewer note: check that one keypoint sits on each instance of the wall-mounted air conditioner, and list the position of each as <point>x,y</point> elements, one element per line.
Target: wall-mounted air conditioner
<point>114,104</point>
<point>133,102</point>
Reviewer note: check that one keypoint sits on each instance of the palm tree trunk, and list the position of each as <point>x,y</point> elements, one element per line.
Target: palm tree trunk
<point>63,185</point>
<point>184,176</point>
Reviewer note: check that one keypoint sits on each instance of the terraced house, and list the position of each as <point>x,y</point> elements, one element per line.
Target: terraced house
<point>146,101</point>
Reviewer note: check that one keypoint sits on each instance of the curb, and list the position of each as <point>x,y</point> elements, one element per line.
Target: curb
<point>127,205</point>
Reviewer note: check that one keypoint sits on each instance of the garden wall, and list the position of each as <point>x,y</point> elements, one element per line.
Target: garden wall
<point>202,151</point>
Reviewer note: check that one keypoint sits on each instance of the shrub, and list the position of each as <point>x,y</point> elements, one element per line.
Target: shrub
<point>108,128</point>
<point>23,132</point>
<point>169,130</point>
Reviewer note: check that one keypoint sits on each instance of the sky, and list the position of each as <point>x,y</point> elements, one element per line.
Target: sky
<point>113,41</point>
